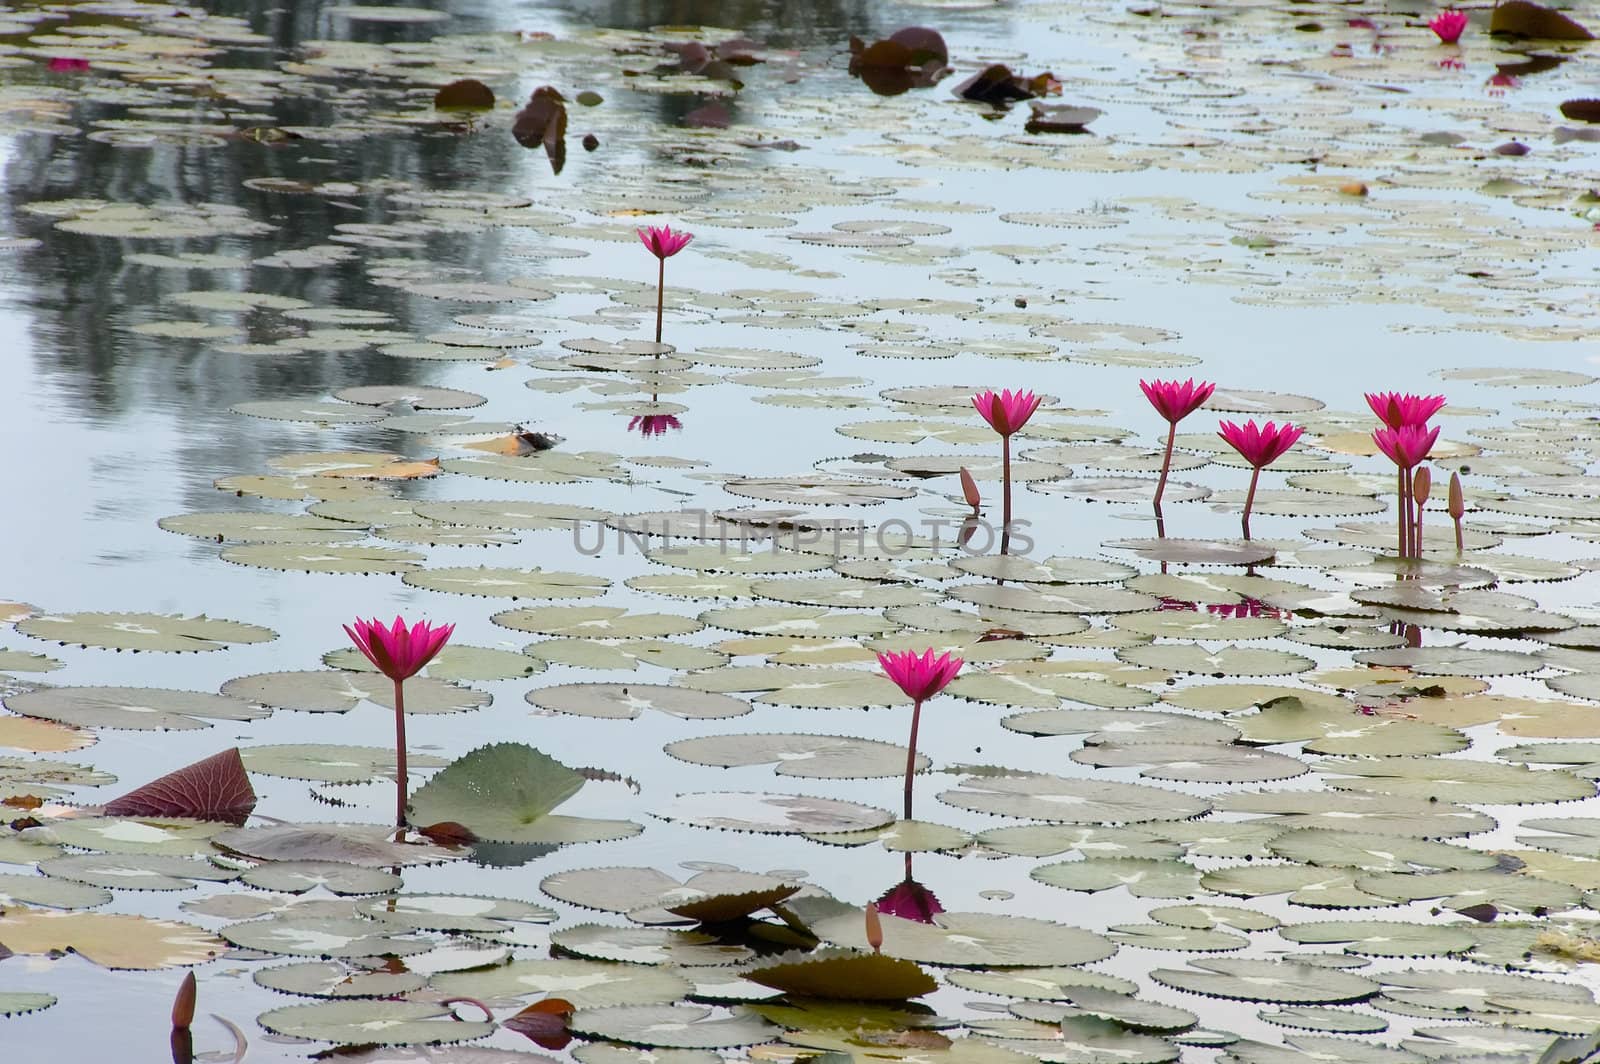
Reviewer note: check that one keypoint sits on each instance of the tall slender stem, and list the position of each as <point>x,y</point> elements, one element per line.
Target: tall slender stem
<point>1161,484</point>
<point>1405,522</point>
<point>1250,499</point>
<point>1005,494</point>
<point>661,295</point>
<point>400,754</point>
<point>1416,524</point>
<point>911,754</point>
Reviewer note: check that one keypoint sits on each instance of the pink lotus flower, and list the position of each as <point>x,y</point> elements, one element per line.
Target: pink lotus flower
<point>662,241</point>
<point>1175,400</point>
<point>1007,411</point>
<point>910,900</point>
<point>1406,445</point>
<point>920,677</point>
<point>663,244</point>
<point>1447,26</point>
<point>61,65</point>
<point>654,424</point>
<point>1395,409</point>
<point>1259,445</point>
<point>399,652</point>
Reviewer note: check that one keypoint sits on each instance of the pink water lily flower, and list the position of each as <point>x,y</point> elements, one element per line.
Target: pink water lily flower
<point>1395,409</point>
<point>61,65</point>
<point>663,241</point>
<point>920,676</point>
<point>399,652</point>
<point>1260,445</point>
<point>910,900</point>
<point>1448,25</point>
<point>1176,400</point>
<point>1406,445</point>
<point>1006,411</point>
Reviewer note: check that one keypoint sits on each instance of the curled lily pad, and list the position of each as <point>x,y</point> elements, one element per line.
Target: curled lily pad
<point>843,974</point>
<point>498,792</point>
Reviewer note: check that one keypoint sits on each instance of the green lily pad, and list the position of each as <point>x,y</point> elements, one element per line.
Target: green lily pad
<point>586,984</point>
<point>366,1022</point>
<point>673,1026</point>
<point>498,792</point>
<point>973,940</point>
<point>18,1002</point>
<point>297,877</point>
<point>50,892</point>
<point>338,691</point>
<point>1272,981</point>
<point>172,837</point>
<point>1384,938</point>
<point>1142,877</point>
<point>333,980</point>
<point>772,814</point>
<point>329,764</point>
<point>142,708</point>
<point>134,871</point>
<point>508,583</point>
<point>456,663</point>
<point>1072,801</point>
<point>142,631</point>
<point>842,974</point>
<point>628,701</point>
<point>812,756</point>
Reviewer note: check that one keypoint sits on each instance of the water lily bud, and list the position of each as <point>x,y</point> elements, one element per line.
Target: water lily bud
<point>1421,484</point>
<point>874,927</point>
<point>969,489</point>
<point>1458,503</point>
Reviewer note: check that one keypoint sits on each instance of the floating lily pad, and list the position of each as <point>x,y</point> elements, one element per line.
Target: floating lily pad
<point>1273,981</point>
<point>1142,877</point>
<point>1384,938</point>
<point>107,939</point>
<point>337,691</point>
<point>842,974</point>
<point>374,1022</point>
<point>142,631</point>
<point>773,814</point>
<point>1072,801</point>
<point>297,877</point>
<point>509,583</point>
<point>628,701</point>
<point>586,984</point>
<point>673,1026</point>
<point>329,764</point>
<point>973,940</point>
<point>812,756</point>
<point>20,890</point>
<point>144,708</point>
<point>498,792</point>
<point>18,1002</point>
<point>144,835</point>
<point>333,980</point>
<point>367,845</point>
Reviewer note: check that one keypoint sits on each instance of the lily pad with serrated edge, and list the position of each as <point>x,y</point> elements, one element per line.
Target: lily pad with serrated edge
<point>38,736</point>
<point>498,792</point>
<point>1454,780</point>
<point>1025,686</point>
<point>598,622</point>
<point>173,836</point>
<point>28,771</point>
<point>1273,981</point>
<point>1463,890</point>
<point>622,655</point>
<point>1382,814</point>
<point>1206,917</point>
<point>1148,1016</point>
<point>1217,838</point>
<point>253,527</point>
<point>1577,836</point>
<point>1124,727</point>
<point>1193,762</point>
<point>111,940</point>
<point>24,890</point>
<point>1225,661</point>
<point>586,984</point>
<point>142,631</point>
<point>1055,598</point>
<point>508,583</point>
<point>902,836</point>
<point>1380,853</point>
<point>456,663</point>
<point>339,690</point>
<point>333,980</point>
<point>1055,570</point>
<point>973,940</point>
<point>1039,984</point>
<point>1323,1018</point>
<point>134,871</point>
<point>297,877</point>
<point>842,974</point>
<point>649,945</point>
<point>842,591</point>
<point>314,411</point>
<point>628,701</point>
<point>732,557</point>
<point>1346,732</point>
<point>143,708</point>
<point>511,514</point>
<point>1331,888</point>
<point>367,845</point>
<point>1048,840</point>
<point>329,937</point>
<point>673,1026</point>
<point>374,1022</point>
<point>451,912</point>
<point>859,691</point>
<point>1196,551</point>
<point>18,1002</point>
<point>1384,938</point>
<point>776,814</point>
<point>817,491</point>
<point>811,756</point>
<point>1143,877</point>
<point>1121,489</point>
<point>715,897</point>
<point>323,558</point>
<point>329,764</point>
<point>1072,801</point>
<point>1197,625</point>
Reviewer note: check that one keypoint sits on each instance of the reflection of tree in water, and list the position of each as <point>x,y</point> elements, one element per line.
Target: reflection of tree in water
<point>774,23</point>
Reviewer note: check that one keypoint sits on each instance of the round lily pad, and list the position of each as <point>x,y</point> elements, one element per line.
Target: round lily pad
<point>774,814</point>
<point>1141,877</point>
<point>1072,801</point>
<point>333,980</point>
<point>374,1022</point>
<point>586,984</point>
<point>337,691</point>
<point>144,708</point>
<point>973,940</point>
<point>628,701</point>
<point>1276,981</point>
<point>142,631</point>
<point>814,756</point>
<point>508,583</point>
<point>673,1026</point>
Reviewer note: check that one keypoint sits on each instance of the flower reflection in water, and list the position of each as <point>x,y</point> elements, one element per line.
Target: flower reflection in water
<point>654,424</point>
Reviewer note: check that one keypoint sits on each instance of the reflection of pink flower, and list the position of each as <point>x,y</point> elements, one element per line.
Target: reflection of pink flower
<point>654,424</point>
<point>662,241</point>
<point>400,651</point>
<point>1499,83</point>
<point>68,66</point>
<point>1406,445</point>
<point>1395,410</point>
<point>910,900</point>
<point>1260,445</point>
<point>1006,411</point>
<point>1176,400</point>
<point>1451,62</point>
<point>920,676</point>
<point>1448,26</point>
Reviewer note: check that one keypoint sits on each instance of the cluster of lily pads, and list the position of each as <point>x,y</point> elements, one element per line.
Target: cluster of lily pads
<point>1302,765</point>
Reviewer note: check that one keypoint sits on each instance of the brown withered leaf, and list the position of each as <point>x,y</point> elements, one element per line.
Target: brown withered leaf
<point>216,788</point>
<point>543,122</point>
<point>467,94</point>
<point>1521,18</point>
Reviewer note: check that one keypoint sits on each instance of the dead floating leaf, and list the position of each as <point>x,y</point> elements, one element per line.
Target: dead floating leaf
<point>1353,188</point>
<point>1585,110</point>
<point>997,85</point>
<point>913,57</point>
<point>215,788</point>
<point>1060,118</point>
<point>543,122</point>
<point>467,94</point>
<point>1521,18</point>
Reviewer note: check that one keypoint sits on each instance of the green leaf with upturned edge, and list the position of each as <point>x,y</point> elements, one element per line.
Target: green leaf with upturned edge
<point>498,791</point>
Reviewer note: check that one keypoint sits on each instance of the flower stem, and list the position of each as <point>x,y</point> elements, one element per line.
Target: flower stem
<point>1166,465</point>
<point>1250,499</point>
<point>1416,526</point>
<point>661,295</point>
<point>1005,493</point>
<point>1404,514</point>
<point>911,754</point>
<point>400,754</point>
